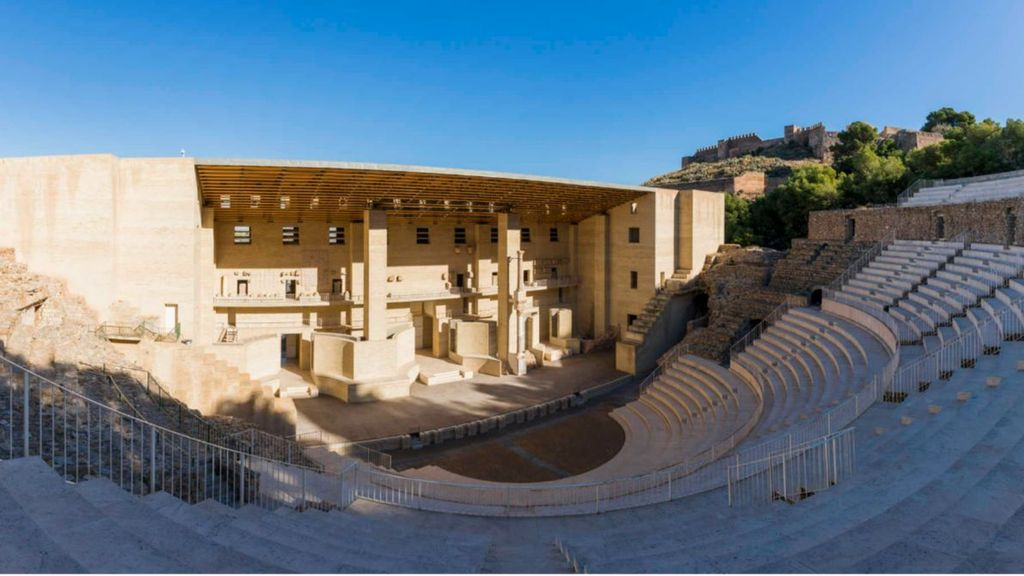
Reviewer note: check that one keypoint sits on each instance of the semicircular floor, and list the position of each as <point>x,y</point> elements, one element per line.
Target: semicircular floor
<point>557,448</point>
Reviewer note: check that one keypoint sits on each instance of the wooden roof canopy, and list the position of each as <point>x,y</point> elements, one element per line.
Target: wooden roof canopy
<point>240,190</point>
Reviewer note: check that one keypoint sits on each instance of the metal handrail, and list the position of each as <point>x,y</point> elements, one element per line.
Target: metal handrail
<point>791,301</point>
<point>922,183</point>
<point>94,439</point>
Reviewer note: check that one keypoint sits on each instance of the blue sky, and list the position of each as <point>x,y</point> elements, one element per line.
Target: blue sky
<point>604,91</point>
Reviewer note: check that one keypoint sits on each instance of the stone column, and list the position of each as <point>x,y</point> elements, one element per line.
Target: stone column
<point>375,266</point>
<point>509,258</point>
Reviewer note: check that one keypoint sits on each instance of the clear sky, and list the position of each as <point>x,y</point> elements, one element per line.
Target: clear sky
<point>604,91</point>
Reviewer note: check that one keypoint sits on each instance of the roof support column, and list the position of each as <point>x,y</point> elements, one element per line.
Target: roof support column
<point>511,293</point>
<point>375,267</point>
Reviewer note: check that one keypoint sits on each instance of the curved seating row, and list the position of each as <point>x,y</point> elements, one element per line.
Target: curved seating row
<point>937,494</point>
<point>986,190</point>
<point>691,406</point>
<point>937,290</point>
<point>807,362</point>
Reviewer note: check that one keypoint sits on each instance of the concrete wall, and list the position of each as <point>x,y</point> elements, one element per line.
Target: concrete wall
<point>592,297</point>
<point>259,357</point>
<point>701,227</point>
<point>122,232</point>
<point>624,257</point>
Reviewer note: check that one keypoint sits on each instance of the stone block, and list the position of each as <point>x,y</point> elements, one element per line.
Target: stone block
<point>906,420</point>
<point>993,381</point>
<point>934,408</point>
<point>879,430</point>
<point>963,396</point>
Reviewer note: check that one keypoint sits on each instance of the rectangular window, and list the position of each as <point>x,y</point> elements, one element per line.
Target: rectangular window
<point>289,234</point>
<point>494,278</point>
<point>633,279</point>
<point>525,234</point>
<point>336,235</point>
<point>243,234</point>
<point>630,318</point>
<point>460,280</point>
<point>634,235</point>
<point>336,286</point>
<point>554,272</point>
<point>460,235</point>
<point>494,235</point>
<point>423,235</point>
<point>290,288</point>
<point>242,288</point>
<point>526,276</point>
<point>553,235</point>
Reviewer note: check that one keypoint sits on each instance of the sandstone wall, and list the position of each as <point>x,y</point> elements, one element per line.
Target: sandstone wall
<point>122,232</point>
<point>988,220</point>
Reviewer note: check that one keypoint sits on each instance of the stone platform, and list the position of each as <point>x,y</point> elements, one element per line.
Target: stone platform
<point>448,404</point>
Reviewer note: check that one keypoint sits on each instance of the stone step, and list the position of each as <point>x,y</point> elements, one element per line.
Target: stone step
<point>77,528</point>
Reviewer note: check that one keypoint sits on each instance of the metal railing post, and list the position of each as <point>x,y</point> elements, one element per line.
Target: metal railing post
<point>241,481</point>
<point>25,412</point>
<point>152,459</point>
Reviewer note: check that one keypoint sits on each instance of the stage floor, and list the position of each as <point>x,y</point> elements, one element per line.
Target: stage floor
<point>448,404</point>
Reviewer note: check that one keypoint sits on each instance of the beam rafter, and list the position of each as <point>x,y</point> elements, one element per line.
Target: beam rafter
<point>343,191</point>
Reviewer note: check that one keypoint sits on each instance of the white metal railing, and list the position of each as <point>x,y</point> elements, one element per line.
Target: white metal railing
<point>793,474</point>
<point>80,437</point>
<point>826,423</point>
<point>703,472</point>
<point>984,338</point>
<point>552,282</point>
<point>317,442</point>
<point>572,562</point>
<point>862,261</point>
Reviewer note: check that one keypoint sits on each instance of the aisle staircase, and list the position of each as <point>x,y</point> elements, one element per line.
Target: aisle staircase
<point>636,332</point>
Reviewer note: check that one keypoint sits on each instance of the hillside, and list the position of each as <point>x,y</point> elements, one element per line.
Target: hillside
<point>700,171</point>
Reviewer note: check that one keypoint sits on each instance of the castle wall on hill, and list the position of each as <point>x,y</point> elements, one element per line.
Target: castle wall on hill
<point>815,138</point>
<point>991,222</point>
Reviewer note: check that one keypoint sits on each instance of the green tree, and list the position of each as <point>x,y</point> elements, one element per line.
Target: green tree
<point>946,118</point>
<point>857,136</point>
<point>737,221</point>
<point>1012,144</point>
<point>781,215</point>
<point>974,150</point>
<point>872,179</point>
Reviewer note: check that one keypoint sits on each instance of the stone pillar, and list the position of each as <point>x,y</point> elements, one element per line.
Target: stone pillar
<point>509,258</point>
<point>375,264</point>
<point>574,248</point>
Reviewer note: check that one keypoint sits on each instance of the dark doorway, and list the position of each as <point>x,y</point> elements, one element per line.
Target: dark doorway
<point>816,296</point>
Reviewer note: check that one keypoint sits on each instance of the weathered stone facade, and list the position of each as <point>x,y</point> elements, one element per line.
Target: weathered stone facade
<point>991,222</point>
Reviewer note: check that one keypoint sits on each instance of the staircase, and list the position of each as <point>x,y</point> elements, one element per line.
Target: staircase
<point>636,332</point>
<point>229,334</point>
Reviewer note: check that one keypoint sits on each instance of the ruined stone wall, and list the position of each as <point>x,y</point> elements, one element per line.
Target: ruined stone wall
<point>988,220</point>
